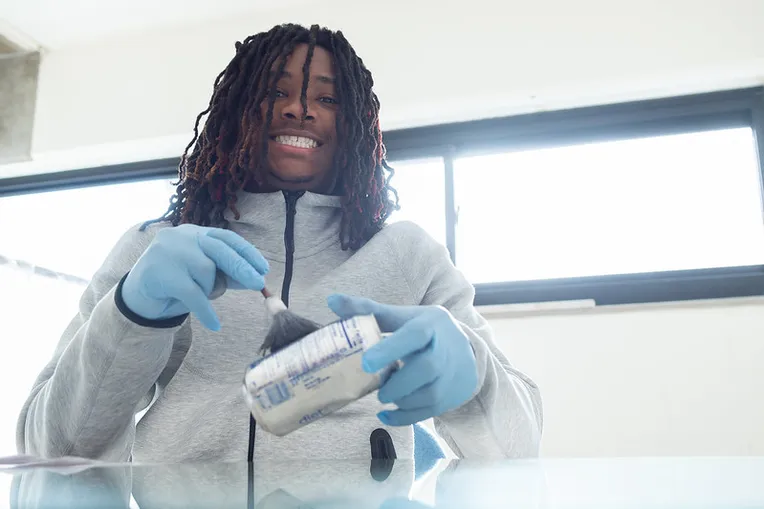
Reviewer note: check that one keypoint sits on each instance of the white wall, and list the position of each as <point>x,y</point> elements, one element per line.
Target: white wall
<point>661,380</point>
<point>434,61</point>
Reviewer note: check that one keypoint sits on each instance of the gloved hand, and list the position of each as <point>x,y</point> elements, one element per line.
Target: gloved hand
<point>176,273</point>
<point>439,371</point>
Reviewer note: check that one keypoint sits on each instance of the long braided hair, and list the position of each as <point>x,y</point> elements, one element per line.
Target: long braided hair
<point>233,144</point>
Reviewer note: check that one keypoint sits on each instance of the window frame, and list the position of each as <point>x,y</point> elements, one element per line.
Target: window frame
<point>636,119</point>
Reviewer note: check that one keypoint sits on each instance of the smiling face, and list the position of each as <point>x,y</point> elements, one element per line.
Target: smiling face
<point>241,147</point>
<point>301,154</point>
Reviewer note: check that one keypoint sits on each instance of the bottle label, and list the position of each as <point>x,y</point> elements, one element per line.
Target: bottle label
<point>313,377</point>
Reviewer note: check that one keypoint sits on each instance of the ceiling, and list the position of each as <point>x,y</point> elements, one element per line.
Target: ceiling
<point>52,24</point>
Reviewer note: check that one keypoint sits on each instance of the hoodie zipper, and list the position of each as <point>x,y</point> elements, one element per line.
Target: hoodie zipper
<point>291,198</point>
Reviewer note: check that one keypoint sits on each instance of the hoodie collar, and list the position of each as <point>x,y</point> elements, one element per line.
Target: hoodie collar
<point>263,218</point>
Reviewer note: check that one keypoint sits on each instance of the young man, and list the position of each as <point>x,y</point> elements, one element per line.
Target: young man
<point>286,185</point>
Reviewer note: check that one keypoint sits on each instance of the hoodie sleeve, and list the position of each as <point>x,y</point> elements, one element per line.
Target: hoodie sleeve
<point>102,372</point>
<point>504,418</point>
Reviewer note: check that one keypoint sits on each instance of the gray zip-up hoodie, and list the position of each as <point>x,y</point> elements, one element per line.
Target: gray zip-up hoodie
<point>186,380</point>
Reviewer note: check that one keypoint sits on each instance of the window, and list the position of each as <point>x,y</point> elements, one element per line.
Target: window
<point>648,201</point>
<point>74,229</point>
<point>636,202</point>
<point>665,203</point>
<point>52,243</point>
<point>420,185</point>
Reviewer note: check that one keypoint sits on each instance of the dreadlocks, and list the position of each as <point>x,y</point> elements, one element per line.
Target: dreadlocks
<point>234,140</point>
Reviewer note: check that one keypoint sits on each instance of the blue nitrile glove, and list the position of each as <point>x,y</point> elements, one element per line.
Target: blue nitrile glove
<point>176,273</point>
<point>439,372</point>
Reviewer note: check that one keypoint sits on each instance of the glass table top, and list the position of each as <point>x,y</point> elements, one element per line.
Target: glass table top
<point>642,483</point>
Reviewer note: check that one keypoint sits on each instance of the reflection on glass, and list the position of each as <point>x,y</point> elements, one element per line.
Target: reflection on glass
<point>267,484</point>
<point>674,202</point>
<point>612,483</point>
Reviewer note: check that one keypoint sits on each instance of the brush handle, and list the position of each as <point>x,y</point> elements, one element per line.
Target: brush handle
<point>220,287</point>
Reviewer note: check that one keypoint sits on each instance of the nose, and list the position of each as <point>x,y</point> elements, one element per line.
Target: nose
<point>292,109</point>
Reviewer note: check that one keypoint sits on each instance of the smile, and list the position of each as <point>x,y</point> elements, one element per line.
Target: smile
<point>296,141</point>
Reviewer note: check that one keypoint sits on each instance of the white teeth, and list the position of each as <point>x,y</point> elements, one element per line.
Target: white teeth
<point>297,141</point>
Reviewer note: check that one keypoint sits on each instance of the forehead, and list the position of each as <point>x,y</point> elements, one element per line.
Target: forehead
<point>321,64</point>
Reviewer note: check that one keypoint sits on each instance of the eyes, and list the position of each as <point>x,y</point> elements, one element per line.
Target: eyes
<point>326,99</point>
